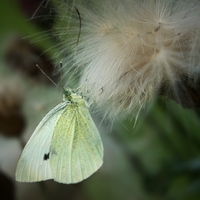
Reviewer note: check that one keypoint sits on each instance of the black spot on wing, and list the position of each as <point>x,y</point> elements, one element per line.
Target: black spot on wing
<point>46,156</point>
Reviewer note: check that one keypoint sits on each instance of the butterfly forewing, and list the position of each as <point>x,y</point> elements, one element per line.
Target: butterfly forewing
<point>34,162</point>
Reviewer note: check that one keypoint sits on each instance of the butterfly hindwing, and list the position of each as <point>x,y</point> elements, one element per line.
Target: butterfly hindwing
<point>34,162</point>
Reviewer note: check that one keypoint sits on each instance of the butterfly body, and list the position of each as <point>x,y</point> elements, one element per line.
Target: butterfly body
<point>65,146</point>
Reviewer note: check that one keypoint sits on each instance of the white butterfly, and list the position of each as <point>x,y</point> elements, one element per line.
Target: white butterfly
<point>65,146</point>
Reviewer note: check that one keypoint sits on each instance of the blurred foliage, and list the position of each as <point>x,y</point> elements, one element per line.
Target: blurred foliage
<point>159,159</point>
<point>164,147</point>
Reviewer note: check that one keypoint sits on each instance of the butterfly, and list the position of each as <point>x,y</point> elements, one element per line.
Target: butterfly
<point>66,145</point>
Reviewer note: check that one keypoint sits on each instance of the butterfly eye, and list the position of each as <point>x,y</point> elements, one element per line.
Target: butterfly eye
<point>67,91</point>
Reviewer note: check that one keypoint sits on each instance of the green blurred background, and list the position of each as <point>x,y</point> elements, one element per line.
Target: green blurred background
<point>158,159</point>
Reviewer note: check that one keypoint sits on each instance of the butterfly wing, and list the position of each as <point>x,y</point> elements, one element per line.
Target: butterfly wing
<point>34,162</point>
<point>76,148</point>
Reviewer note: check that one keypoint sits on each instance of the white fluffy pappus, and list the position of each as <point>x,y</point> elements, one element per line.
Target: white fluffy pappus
<point>129,49</point>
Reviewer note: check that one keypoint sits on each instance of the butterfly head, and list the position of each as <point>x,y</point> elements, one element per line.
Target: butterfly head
<point>67,92</point>
<point>69,95</point>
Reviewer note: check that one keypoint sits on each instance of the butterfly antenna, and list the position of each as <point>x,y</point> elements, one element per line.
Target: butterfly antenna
<point>68,93</point>
<point>80,24</point>
<point>46,75</point>
<point>61,65</point>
